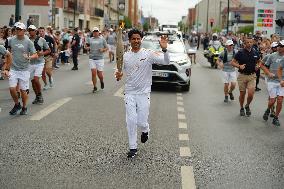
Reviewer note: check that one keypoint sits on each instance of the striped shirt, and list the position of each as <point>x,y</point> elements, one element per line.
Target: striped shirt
<point>137,68</point>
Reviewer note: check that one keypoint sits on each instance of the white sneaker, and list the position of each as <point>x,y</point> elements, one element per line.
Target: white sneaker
<point>45,87</point>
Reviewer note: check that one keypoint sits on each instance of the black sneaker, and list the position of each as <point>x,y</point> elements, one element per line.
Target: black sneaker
<point>266,114</point>
<point>15,109</point>
<point>242,112</point>
<point>276,121</point>
<point>40,99</point>
<point>248,112</point>
<point>132,153</point>
<point>102,85</point>
<point>74,68</point>
<point>231,96</point>
<point>35,100</point>
<point>257,89</point>
<point>24,111</point>
<point>144,137</point>
<point>226,99</point>
<point>95,89</point>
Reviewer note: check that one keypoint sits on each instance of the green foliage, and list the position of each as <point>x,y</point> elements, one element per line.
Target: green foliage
<point>145,26</point>
<point>216,30</point>
<point>128,23</point>
<point>246,29</point>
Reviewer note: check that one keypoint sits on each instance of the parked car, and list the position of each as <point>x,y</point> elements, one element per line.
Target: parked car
<point>178,72</point>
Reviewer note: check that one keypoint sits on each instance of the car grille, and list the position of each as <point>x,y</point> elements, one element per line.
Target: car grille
<point>169,67</point>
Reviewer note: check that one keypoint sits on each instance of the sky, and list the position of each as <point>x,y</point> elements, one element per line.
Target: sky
<point>166,10</point>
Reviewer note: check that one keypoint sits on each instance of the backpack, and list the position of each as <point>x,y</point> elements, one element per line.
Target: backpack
<point>37,47</point>
<point>225,58</point>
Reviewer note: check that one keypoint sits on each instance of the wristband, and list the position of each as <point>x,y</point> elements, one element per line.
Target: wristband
<point>164,50</point>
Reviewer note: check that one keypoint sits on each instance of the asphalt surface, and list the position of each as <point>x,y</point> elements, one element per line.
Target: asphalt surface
<point>230,151</point>
<point>83,143</point>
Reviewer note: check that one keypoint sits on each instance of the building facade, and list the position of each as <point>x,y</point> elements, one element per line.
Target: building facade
<point>72,13</point>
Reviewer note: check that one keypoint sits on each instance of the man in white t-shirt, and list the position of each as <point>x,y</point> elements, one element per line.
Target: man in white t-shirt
<point>137,67</point>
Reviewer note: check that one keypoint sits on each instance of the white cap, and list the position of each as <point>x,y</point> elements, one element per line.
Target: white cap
<point>229,42</point>
<point>110,29</point>
<point>96,29</point>
<point>20,25</point>
<point>215,34</point>
<point>274,44</point>
<point>32,27</point>
<point>281,43</point>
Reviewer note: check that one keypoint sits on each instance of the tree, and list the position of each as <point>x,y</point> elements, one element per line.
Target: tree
<point>145,26</point>
<point>246,29</point>
<point>128,23</point>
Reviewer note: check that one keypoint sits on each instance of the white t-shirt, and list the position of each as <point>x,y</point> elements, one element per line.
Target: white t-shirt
<point>137,68</point>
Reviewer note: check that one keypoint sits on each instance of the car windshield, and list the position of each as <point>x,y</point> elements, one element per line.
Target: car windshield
<point>173,47</point>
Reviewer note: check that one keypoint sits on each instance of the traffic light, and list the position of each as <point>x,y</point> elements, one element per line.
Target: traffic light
<point>280,22</point>
<point>211,24</point>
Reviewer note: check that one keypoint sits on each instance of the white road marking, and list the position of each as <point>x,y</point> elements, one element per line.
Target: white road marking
<point>182,125</point>
<point>187,177</point>
<point>183,137</point>
<point>181,116</point>
<point>180,109</point>
<point>119,93</point>
<point>179,94</point>
<point>179,98</point>
<point>52,107</point>
<point>184,152</point>
<point>179,103</point>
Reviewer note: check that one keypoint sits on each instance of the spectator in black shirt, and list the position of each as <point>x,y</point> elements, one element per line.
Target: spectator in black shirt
<point>75,46</point>
<point>246,60</point>
<point>11,21</point>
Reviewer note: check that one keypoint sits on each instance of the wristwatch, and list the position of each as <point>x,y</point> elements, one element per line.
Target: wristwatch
<point>164,50</point>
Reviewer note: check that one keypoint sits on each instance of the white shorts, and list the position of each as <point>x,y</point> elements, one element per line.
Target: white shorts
<point>228,77</point>
<point>19,77</point>
<point>36,70</point>
<point>111,48</point>
<point>274,89</point>
<point>97,64</point>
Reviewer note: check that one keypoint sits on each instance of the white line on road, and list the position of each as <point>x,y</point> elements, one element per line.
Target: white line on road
<point>184,152</point>
<point>52,107</point>
<point>187,177</point>
<point>179,98</point>
<point>179,103</point>
<point>119,93</point>
<point>179,94</point>
<point>180,109</point>
<point>182,125</point>
<point>183,137</point>
<point>181,116</point>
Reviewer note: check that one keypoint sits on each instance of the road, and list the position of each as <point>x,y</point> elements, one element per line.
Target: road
<point>78,139</point>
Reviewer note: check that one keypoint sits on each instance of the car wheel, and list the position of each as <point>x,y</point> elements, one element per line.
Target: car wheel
<point>186,87</point>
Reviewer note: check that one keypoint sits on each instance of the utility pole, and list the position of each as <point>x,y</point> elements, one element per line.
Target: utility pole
<point>228,13</point>
<point>207,16</point>
<point>74,13</point>
<point>17,10</point>
<point>197,17</point>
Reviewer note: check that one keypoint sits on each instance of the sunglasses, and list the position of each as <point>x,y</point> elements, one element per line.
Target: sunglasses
<point>95,31</point>
<point>19,29</point>
<point>280,46</point>
<point>31,30</point>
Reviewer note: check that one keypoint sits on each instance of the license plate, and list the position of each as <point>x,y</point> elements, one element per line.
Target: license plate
<point>160,74</point>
